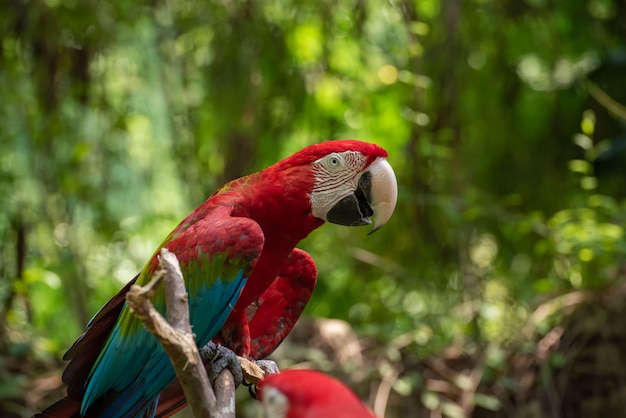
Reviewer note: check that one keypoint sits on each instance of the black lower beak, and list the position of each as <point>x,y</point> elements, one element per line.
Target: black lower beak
<point>354,209</point>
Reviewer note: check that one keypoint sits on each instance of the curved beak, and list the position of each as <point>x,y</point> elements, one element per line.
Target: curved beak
<point>375,195</point>
<point>383,193</point>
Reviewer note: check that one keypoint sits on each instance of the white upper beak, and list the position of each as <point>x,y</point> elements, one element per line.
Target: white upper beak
<point>384,192</point>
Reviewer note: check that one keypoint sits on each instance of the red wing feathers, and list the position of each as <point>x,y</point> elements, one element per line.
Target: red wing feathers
<point>274,314</point>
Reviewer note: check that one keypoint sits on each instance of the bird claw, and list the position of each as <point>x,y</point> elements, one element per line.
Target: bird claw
<point>268,366</point>
<point>216,358</point>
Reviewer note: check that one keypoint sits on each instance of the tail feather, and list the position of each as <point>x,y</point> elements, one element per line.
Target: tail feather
<point>65,408</point>
<point>104,407</point>
<point>171,401</point>
<point>83,353</point>
<point>124,404</point>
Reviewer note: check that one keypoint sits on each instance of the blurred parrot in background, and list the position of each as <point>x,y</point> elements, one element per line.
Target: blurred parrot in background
<point>308,394</point>
<point>236,251</point>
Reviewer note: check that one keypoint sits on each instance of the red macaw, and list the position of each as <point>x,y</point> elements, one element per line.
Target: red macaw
<point>308,394</point>
<point>231,249</point>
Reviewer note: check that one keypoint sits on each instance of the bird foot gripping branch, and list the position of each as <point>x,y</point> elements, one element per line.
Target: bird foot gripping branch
<point>216,358</point>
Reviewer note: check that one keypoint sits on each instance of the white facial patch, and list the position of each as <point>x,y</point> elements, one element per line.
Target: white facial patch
<point>275,403</point>
<point>336,176</point>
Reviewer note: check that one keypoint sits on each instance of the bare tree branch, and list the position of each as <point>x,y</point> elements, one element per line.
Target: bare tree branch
<point>225,391</point>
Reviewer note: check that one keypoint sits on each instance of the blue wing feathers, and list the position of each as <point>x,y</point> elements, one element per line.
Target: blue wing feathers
<point>117,366</point>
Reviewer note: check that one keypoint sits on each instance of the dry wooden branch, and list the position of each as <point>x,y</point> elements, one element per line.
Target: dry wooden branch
<point>224,387</point>
<point>251,372</point>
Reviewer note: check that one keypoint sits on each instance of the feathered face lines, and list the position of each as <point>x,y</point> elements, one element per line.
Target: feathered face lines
<point>336,176</point>
<point>337,169</point>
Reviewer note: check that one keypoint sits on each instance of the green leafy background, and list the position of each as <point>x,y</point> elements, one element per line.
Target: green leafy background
<point>504,121</point>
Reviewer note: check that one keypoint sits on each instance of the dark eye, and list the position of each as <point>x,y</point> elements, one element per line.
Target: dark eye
<point>334,161</point>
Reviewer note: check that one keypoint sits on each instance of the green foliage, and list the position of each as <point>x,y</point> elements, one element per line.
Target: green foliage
<point>504,122</point>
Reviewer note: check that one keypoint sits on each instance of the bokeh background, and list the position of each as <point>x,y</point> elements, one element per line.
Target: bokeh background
<point>496,289</point>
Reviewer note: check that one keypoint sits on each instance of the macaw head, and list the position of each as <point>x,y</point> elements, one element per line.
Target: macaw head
<point>351,182</point>
<point>308,393</point>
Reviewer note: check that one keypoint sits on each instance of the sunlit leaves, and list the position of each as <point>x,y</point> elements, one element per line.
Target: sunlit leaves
<point>583,141</point>
<point>580,166</point>
<point>345,57</point>
<point>540,76</point>
<point>328,93</point>
<point>601,9</point>
<point>428,8</point>
<point>587,125</point>
<point>306,42</point>
<point>581,228</point>
<point>388,74</point>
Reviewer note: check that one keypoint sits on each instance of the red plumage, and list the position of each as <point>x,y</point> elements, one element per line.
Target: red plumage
<point>274,314</point>
<point>309,394</point>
